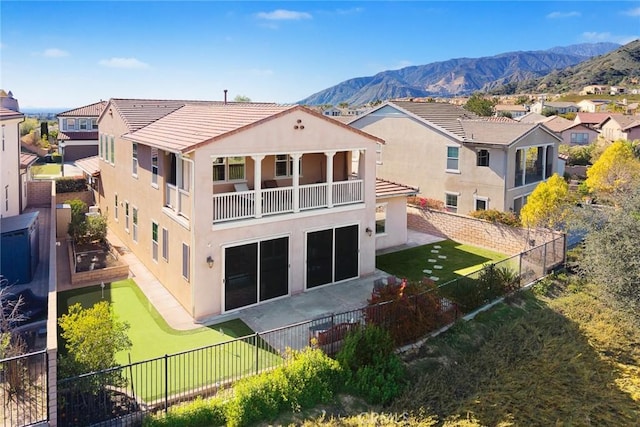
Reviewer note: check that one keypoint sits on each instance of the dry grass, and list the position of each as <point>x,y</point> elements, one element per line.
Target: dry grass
<point>558,359</point>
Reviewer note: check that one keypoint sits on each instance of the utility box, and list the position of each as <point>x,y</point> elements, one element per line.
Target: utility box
<point>63,219</point>
<point>20,247</point>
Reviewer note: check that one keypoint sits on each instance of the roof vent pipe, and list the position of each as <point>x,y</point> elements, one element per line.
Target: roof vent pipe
<point>225,97</point>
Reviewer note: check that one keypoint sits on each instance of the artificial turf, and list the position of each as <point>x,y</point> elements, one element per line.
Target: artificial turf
<point>460,260</point>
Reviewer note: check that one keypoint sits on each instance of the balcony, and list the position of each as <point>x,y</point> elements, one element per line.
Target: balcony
<point>178,200</point>
<point>281,201</point>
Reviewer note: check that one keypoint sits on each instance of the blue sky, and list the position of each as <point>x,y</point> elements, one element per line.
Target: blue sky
<point>69,54</point>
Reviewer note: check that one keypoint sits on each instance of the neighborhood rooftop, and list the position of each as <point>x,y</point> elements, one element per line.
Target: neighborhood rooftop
<point>443,115</point>
<point>482,131</point>
<point>91,110</point>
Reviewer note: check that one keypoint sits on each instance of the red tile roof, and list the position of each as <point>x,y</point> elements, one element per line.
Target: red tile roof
<point>386,189</point>
<point>6,113</point>
<point>591,118</point>
<point>27,159</point>
<point>91,110</point>
<point>89,165</point>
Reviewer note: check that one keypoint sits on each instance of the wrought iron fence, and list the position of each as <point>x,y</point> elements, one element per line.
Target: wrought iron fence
<point>23,389</point>
<point>126,393</point>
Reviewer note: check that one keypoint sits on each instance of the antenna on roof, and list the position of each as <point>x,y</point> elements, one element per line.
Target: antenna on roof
<point>225,97</point>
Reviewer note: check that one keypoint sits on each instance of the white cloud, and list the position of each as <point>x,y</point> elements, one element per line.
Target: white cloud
<point>593,36</point>
<point>283,15</point>
<point>130,63</point>
<point>55,53</point>
<point>632,12</point>
<point>560,15</point>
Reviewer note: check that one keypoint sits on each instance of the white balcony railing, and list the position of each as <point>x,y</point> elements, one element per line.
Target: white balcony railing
<point>178,200</point>
<point>280,201</point>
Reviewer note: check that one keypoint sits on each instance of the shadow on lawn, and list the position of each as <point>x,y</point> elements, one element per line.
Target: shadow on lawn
<point>522,363</point>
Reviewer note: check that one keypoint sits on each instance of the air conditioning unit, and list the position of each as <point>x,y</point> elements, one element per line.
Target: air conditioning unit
<point>94,209</point>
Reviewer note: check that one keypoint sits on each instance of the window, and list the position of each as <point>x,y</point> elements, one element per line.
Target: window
<point>381,218</point>
<point>451,202</point>
<point>379,154</point>
<point>134,157</point>
<point>154,167</point>
<point>6,198</point>
<point>126,216</point>
<point>115,210</point>
<point>70,124</point>
<point>113,148</point>
<point>100,148</point>
<point>83,124</point>
<point>284,165</point>
<point>186,256</point>
<point>482,203</point>
<point>452,158</point>
<point>231,167</point>
<point>94,124</point>
<point>483,158</point>
<point>165,244</point>
<point>579,138</point>
<point>154,241</point>
<point>135,224</point>
<point>2,137</point>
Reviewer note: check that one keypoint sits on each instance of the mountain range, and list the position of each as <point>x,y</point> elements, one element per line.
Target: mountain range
<point>460,76</point>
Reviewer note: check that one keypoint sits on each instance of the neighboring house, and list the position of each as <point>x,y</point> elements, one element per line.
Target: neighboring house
<point>593,105</point>
<point>591,120</point>
<point>542,107</point>
<point>10,180</point>
<point>620,126</point>
<point>454,156</point>
<point>514,111</point>
<point>78,131</point>
<point>231,205</point>
<point>594,90</point>
<point>572,133</point>
<point>617,90</point>
<point>26,161</point>
<point>531,117</point>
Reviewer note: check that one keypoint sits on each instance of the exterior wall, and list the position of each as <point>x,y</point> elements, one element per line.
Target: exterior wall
<point>10,170</point>
<point>39,193</point>
<point>85,196</point>
<point>611,131</point>
<point>566,135</point>
<point>202,294</point>
<point>477,232</point>
<point>73,151</point>
<point>396,223</point>
<point>416,155</point>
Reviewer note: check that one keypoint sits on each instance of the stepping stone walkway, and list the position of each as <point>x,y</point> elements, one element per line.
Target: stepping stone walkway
<point>434,278</point>
<point>427,271</point>
<point>437,247</point>
<point>435,251</point>
<point>437,267</point>
<point>442,256</point>
<point>432,260</point>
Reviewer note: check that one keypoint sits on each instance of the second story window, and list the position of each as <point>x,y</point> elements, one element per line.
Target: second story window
<point>154,167</point>
<point>483,158</point>
<point>83,124</point>
<point>453,158</point>
<point>94,124</point>
<point>70,124</point>
<point>228,169</point>
<point>113,151</point>
<point>284,165</point>
<point>134,157</point>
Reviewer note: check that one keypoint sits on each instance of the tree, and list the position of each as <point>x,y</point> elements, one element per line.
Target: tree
<point>547,205</point>
<point>522,100</point>
<point>92,337</point>
<point>611,258</point>
<point>615,172</point>
<point>343,105</point>
<point>241,98</point>
<point>479,105</point>
<point>28,125</point>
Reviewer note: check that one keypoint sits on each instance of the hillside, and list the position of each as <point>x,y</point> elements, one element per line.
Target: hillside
<point>619,67</point>
<point>461,76</point>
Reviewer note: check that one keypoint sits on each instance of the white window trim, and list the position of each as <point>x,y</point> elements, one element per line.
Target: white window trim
<point>165,244</point>
<point>483,198</point>
<point>135,164</point>
<point>378,154</point>
<point>155,243</point>
<point>157,168</point>
<point>452,193</point>
<point>447,160</point>
<point>226,170</point>
<point>115,203</point>
<point>127,217</point>
<point>289,167</point>
<point>188,263</point>
<point>135,220</point>
<point>385,205</point>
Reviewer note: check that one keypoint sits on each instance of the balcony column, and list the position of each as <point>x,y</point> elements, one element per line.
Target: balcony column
<point>257,184</point>
<point>295,181</point>
<point>330,155</point>
<point>544,162</point>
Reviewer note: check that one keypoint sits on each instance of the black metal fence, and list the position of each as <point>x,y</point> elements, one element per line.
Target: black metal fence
<point>23,389</point>
<point>125,393</point>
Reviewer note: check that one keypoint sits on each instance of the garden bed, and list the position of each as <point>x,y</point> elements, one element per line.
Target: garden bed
<point>95,263</point>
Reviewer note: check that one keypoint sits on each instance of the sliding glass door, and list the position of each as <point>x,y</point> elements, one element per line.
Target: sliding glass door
<point>332,255</point>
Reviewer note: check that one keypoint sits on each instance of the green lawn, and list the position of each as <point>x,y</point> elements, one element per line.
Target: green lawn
<point>460,261</point>
<point>152,337</point>
<point>48,169</point>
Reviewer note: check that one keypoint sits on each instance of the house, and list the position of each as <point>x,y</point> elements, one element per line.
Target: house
<point>231,205</point>
<point>593,105</point>
<point>513,111</point>
<point>572,133</point>
<point>617,90</point>
<point>591,120</point>
<point>542,107</point>
<point>456,157</point>
<point>532,117</point>
<point>594,90</point>
<point>620,126</point>
<point>10,180</point>
<point>78,131</point>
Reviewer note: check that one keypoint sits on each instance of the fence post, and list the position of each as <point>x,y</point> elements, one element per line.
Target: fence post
<point>166,383</point>
<point>257,353</point>
<point>544,260</point>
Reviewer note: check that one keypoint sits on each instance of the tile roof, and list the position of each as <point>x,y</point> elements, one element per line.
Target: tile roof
<point>591,118</point>
<point>27,159</point>
<point>500,119</point>
<point>386,189</point>
<point>89,165</point>
<point>91,110</point>
<point>78,136</point>
<point>531,117</point>
<point>485,132</point>
<point>6,113</point>
<point>625,121</point>
<point>441,114</point>
<point>558,124</point>
<point>192,124</point>
<point>509,107</point>
<point>560,104</point>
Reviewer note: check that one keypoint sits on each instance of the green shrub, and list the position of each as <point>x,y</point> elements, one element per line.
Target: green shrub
<point>372,368</point>
<point>70,185</point>
<point>496,216</point>
<point>78,225</point>
<point>198,413</point>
